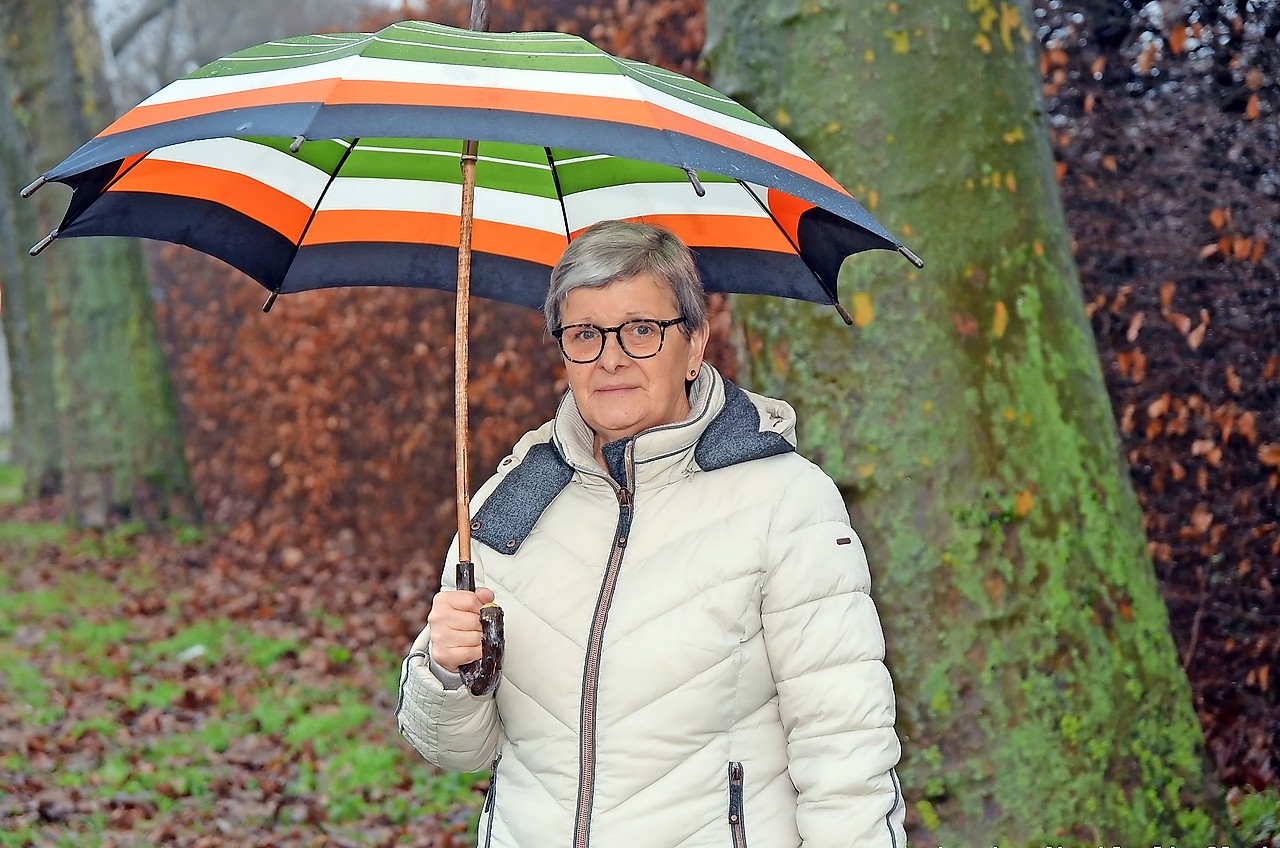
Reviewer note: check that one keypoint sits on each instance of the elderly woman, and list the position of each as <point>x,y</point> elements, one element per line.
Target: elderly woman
<point>693,658</point>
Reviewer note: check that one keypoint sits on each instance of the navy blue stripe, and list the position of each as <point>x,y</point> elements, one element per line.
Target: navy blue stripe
<point>424,266</point>
<point>240,241</point>
<point>286,120</point>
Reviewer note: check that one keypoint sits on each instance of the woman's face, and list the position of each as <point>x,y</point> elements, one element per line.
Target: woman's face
<point>619,396</point>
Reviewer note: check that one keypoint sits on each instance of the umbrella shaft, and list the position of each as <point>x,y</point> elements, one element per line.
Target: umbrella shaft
<point>462,324</point>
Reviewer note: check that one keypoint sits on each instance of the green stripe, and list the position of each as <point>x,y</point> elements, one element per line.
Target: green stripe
<point>513,42</point>
<point>397,159</point>
<point>322,154</point>
<point>614,171</point>
<point>289,53</point>
<point>582,62</point>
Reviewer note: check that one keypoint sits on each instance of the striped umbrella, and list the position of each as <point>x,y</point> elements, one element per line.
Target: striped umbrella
<point>331,160</point>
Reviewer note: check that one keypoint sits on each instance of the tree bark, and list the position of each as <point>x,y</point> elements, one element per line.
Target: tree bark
<point>116,414</point>
<point>966,420</point>
<point>36,447</point>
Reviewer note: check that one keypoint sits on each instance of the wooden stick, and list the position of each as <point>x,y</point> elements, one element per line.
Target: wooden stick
<point>462,329</point>
<point>479,15</point>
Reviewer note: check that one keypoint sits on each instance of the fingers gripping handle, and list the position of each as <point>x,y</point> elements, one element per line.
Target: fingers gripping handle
<point>481,676</point>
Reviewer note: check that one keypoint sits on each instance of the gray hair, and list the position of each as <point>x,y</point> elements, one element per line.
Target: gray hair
<point>609,251</point>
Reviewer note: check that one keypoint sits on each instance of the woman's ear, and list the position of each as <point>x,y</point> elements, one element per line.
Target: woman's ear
<point>697,347</point>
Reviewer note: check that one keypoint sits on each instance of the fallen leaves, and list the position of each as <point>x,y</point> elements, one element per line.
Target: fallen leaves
<point>1232,245</point>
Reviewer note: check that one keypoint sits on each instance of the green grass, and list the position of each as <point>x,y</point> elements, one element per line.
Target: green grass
<point>21,535</point>
<point>12,479</point>
<point>1257,814</point>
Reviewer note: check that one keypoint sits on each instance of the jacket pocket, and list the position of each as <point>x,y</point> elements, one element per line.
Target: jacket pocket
<point>737,825</point>
<point>490,799</point>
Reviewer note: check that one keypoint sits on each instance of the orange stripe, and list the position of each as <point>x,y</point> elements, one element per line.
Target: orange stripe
<point>159,113</point>
<point>391,94</point>
<point>126,164</point>
<point>731,231</point>
<point>787,209</point>
<point>370,225</point>
<point>269,206</point>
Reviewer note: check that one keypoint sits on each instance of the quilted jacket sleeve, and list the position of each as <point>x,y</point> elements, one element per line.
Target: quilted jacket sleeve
<point>827,652</point>
<point>448,725</point>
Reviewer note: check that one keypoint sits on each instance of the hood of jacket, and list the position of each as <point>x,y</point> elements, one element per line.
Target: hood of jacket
<point>726,425</point>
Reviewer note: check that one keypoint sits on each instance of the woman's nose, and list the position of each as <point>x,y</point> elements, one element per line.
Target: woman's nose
<point>613,356</point>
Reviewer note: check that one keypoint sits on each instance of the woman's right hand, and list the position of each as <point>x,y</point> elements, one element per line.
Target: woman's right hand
<point>455,627</point>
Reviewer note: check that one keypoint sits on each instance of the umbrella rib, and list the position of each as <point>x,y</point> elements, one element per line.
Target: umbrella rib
<point>826,288</point>
<point>555,178</point>
<point>266,307</point>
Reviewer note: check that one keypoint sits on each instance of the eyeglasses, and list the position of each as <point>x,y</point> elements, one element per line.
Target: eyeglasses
<point>639,339</point>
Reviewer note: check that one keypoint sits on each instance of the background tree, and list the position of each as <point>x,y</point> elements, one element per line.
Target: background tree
<point>968,424</point>
<point>35,434</point>
<point>118,433</point>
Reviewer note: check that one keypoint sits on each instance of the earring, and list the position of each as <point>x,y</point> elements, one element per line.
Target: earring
<point>693,374</point>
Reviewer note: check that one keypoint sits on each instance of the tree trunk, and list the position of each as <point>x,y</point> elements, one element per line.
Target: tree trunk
<point>35,428</point>
<point>116,415</point>
<point>966,420</point>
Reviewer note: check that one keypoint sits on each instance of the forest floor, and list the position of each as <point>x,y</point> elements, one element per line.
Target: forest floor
<point>158,691</point>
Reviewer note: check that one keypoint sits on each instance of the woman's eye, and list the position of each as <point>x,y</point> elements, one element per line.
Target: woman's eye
<point>584,334</point>
<point>642,330</point>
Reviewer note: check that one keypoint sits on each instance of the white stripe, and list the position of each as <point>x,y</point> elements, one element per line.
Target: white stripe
<point>504,207</point>
<point>266,165</point>
<point>514,79</point>
<point>465,34</point>
<point>591,157</point>
<point>564,54</point>
<point>638,199</point>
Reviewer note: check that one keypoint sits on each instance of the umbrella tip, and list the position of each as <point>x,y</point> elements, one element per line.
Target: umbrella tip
<point>31,189</point>
<point>296,144</point>
<point>43,243</point>
<point>844,313</point>
<point>271,301</point>
<point>697,184</point>
<point>911,257</point>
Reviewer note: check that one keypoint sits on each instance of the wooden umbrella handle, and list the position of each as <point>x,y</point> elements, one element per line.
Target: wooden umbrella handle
<point>481,676</point>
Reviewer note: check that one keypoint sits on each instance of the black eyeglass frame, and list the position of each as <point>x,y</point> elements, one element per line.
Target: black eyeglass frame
<point>558,332</point>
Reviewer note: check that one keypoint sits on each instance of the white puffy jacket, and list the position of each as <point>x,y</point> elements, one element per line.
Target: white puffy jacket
<point>692,655</point>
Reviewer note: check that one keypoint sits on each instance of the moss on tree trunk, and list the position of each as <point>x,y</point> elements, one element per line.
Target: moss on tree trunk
<point>968,425</point>
<point>116,414</point>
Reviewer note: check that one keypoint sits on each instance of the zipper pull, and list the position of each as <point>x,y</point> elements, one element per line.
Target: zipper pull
<point>493,784</point>
<point>624,498</point>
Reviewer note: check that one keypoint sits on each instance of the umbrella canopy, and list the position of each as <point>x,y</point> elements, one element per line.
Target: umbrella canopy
<point>332,160</point>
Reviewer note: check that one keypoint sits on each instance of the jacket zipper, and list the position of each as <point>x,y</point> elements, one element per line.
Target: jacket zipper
<point>591,670</point>
<point>490,798</point>
<point>737,827</point>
